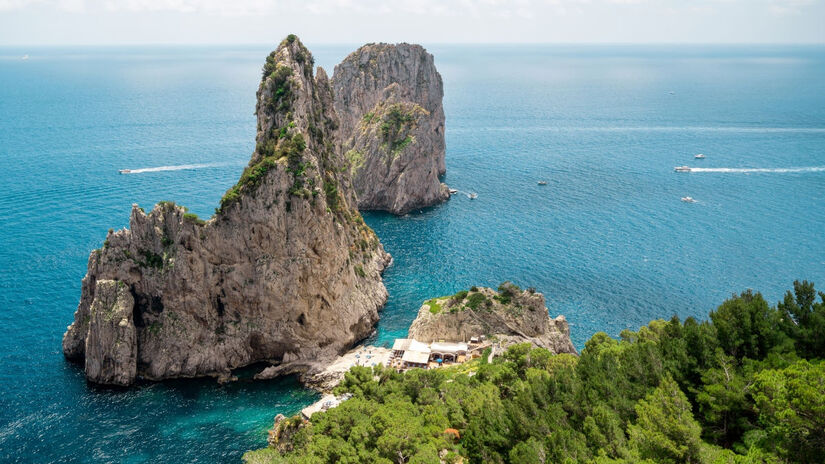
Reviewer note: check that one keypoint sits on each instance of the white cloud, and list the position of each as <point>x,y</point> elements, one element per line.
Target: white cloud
<point>491,8</point>
<point>435,20</point>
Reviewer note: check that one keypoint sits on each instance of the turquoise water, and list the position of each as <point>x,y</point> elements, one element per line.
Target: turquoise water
<point>607,240</point>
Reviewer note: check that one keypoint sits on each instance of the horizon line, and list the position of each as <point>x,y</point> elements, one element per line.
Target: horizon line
<point>247,44</point>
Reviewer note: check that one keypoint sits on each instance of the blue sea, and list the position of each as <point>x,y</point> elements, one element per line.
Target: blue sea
<point>607,240</point>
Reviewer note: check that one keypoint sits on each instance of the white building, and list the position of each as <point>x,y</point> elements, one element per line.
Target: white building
<point>416,354</point>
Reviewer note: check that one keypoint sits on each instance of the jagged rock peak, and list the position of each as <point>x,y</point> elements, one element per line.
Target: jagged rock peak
<point>389,102</point>
<point>511,314</point>
<point>286,271</point>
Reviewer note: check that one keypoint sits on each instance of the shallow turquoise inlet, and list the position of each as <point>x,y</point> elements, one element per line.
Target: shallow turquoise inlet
<point>607,240</point>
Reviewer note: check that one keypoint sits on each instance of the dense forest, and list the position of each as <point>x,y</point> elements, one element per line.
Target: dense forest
<point>745,386</point>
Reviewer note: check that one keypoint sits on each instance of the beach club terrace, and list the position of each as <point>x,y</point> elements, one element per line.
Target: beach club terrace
<point>408,353</point>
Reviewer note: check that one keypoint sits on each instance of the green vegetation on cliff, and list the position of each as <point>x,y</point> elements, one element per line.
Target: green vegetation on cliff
<point>747,386</point>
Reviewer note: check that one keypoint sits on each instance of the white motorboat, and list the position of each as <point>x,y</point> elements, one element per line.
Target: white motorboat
<point>453,191</point>
<point>124,171</point>
<point>688,200</point>
<point>700,156</point>
<point>472,196</point>
<point>682,169</point>
<point>542,182</point>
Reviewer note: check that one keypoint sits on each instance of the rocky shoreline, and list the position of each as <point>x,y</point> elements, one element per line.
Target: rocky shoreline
<point>502,317</point>
<point>509,315</point>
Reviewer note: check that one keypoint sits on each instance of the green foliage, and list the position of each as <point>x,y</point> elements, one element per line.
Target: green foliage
<point>355,159</point>
<point>671,392</point>
<point>331,192</point>
<point>367,118</point>
<point>803,318</point>
<point>746,326</point>
<point>192,217</point>
<point>398,145</point>
<point>151,259</point>
<point>286,147</point>
<point>665,430</point>
<point>475,300</point>
<point>791,404</point>
<point>435,308</point>
<point>506,292</point>
<point>359,271</point>
<point>395,121</point>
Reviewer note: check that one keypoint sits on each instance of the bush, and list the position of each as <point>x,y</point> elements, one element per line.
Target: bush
<point>435,308</point>
<point>475,300</point>
<point>331,192</point>
<point>252,176</point>
<point>359,271</point>
<point>192,217</point>
<point>458,298</point>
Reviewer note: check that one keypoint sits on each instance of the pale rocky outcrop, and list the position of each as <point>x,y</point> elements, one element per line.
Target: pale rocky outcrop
<point>111,342</point>
<point>524,318</point>
<point>281,435</point>
<point>389,101</point>
<point>326,375</point>
<point>285,272</point>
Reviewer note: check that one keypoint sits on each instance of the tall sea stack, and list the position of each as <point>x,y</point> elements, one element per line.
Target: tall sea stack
<point>388,99</point>
<point>285,271</point>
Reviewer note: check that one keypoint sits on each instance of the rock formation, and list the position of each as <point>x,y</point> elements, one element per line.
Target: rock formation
<point>111,348</point>
<point>282,434</point>
<point>511,315</point>
<point>286,270</point>
<point>388,99</point>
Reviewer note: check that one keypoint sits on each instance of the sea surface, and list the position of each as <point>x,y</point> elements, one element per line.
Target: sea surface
<point>607,240</point>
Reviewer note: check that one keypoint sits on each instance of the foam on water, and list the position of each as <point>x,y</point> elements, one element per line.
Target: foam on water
<point>182,167</point>
<point>742,129</point>
<point>761,170</point>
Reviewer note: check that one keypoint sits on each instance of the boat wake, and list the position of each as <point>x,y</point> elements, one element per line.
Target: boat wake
<point>181,167</point>
<point>749,170</point>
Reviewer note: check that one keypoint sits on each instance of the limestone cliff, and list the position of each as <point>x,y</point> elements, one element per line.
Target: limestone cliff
<point>111,351</point>
<point>286,271</point>
<point>510,314</point>
<point>388,99</point>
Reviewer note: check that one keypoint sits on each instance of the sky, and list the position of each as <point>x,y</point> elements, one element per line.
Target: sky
<point>119,22</point>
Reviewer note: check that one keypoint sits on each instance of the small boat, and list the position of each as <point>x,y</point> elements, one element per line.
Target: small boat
<point>124,171</point>
<point>700,156</point>
<point>24,57</point>
<point>453,191</point>
<point>682,169</point>
<point>542,182</point>
<point>688,200</point>
<point>472,196</point>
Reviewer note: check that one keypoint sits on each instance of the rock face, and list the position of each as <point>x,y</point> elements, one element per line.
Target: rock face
<point>325,376</point>
<point>511,315</point>
<point>286,271</point>
<point>281,435</point>
<point>388,99</point>
<point>111,342</point>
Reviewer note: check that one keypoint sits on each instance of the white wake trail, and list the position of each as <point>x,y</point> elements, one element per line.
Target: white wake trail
<point>180,167</point>
<point>749,170</point>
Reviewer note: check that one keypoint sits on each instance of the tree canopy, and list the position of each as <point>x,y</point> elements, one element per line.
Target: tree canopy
<point>745,386</point>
